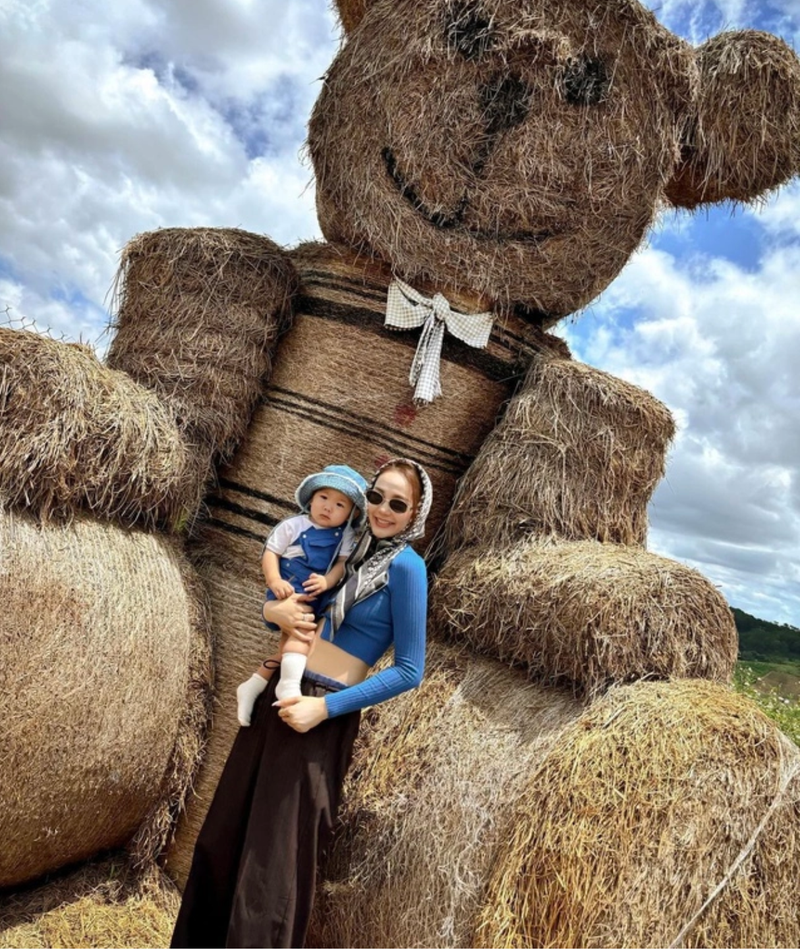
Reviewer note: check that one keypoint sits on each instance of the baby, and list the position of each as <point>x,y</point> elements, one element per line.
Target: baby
<point>305,554</point>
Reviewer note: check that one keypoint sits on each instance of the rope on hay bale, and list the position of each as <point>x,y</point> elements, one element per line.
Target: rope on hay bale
<point>648,803</point>
<point>198,313</point>
<point>104,691</point>
<point>577,455</point>
<point>79,436</point>
<point>435,774</point>
<point>103,904</point>
<point>744,137</point>
<point>586,613</point>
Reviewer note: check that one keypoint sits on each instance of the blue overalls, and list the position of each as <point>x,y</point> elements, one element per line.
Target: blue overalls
<point>320,546</point>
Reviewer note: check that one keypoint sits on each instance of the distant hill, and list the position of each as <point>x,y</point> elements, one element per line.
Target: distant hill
<point>762,640</point>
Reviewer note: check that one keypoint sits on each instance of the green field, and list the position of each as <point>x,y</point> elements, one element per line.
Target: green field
<point>775,687</point>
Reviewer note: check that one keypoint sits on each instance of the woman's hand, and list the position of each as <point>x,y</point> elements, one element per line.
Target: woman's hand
<point>293,616</point>
<point>302,712</point>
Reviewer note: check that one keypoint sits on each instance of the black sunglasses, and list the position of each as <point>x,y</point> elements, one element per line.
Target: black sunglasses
<point>397,505</point>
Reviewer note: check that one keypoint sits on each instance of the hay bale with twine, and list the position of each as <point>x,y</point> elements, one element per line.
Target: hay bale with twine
<point>81,437</point>
<point>198,313</point>
<point>577,455</point>
<point>307,418</point>
<point>337,334</point>
<point>585,613</point>
<point>435,775</point>
<point>744,135</point>
<point>102,904</point>
<point>104,691</point>
<point>667,815</point>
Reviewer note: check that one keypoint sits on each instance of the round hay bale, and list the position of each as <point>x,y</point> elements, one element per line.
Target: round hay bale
<point>79,436</point>
<point>106,904</point>
<point>104,681</point>
<point>744,137</point>
<point>198,313</point>
<point>586,613</point>
<point>667,815</point>
<point>577,455</point>
<point>435,774</point>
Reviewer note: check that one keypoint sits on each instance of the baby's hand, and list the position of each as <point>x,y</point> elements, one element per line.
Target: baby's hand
<point>315,585</point>
<point>282,589</point>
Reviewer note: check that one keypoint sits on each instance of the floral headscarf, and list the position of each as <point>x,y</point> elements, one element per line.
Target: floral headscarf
<point>367,568</point>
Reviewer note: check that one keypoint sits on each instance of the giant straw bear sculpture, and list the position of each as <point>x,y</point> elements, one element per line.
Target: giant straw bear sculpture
<point>503,157</point>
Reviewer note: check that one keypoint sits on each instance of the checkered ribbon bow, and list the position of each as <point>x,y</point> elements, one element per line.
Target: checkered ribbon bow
<point>406,308</point>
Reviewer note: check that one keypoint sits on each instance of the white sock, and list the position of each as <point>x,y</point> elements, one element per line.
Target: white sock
<point>293,665</point>
<point>246,695</point>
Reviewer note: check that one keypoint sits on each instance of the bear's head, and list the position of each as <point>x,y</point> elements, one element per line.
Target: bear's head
<point>519,149</point>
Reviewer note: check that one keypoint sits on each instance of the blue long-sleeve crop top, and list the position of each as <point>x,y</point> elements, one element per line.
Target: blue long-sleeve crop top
<point>395,614</point>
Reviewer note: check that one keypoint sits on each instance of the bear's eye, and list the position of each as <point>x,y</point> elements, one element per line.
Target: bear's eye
<point>468,29</point>
<point>586,82</point>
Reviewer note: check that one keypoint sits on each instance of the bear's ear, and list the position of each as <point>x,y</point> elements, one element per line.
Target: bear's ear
<point>351,12</point>
<point>743,136</point>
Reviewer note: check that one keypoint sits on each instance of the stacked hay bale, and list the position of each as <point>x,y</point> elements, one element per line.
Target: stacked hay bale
<point>101,732</point>
<point>563,587</point>
<point>547,567</point>
<point>666,815</point>
<point>436,774</point>
<point>577,455</point>
<point>103,904</point>
<point>584,613</point>
<point>105,651</point>
<point>198,314</point>
<point>82,437</point>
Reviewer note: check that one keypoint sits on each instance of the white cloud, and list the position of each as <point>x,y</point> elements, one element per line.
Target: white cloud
<point>781,215</point>
<point>117,119</point>
<point>719,345</point>
<point>697,20</point>
<point>73,321</point>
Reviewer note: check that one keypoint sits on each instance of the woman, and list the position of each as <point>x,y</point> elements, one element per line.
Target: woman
<point>255,862</point>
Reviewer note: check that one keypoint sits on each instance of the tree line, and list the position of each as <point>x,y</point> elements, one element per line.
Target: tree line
<point>762,640</point>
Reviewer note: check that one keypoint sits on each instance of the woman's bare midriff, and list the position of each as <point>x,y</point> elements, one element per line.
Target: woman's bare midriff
<point>330,660</point>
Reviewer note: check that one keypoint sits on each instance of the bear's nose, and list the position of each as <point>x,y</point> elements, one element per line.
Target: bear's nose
<point>505,102</point>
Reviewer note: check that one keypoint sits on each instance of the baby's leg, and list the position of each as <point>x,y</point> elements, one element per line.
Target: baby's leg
<point>293,664</point>
<point>248,692</point>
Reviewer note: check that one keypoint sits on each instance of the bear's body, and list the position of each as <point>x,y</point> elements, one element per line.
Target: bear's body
<point>322,398</point>
<point>323,402</point>
<point>509,156</point>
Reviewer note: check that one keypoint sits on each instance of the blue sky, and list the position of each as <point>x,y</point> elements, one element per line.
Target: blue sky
<point>120,118</point>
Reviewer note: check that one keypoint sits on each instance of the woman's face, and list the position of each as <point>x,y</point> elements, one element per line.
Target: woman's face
<point>383,522</point>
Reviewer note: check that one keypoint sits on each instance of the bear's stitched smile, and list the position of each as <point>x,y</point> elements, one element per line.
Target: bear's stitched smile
<point>456,220</point>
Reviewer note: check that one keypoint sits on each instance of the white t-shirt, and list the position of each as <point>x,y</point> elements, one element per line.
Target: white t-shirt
<point>280,540</point>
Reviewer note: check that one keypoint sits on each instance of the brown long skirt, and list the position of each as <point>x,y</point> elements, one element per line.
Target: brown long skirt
<point>254,868</point>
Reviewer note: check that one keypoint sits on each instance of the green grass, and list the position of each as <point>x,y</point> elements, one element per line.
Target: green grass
<point>782,709</point>
<point>762,667</point>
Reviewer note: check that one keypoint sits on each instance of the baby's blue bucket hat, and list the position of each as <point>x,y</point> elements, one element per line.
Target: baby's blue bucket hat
<point>343,479</point>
